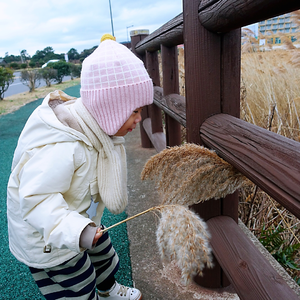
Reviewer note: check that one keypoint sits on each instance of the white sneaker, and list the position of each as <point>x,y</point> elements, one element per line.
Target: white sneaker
<point>121,292</point>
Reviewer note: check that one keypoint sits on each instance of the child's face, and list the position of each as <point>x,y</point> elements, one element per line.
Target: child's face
<point>130,124</point>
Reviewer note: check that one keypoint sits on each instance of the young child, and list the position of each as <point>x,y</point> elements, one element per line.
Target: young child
<point>69,153</point>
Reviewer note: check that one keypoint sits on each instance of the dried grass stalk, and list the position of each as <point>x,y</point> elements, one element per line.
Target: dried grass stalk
<point>190,174</point>
<point>183,237</point>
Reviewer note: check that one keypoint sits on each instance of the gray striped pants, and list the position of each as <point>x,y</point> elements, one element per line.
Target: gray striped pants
<point>77,278</point>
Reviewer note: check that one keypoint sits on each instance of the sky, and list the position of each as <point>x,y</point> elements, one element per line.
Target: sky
<point>64,24</point>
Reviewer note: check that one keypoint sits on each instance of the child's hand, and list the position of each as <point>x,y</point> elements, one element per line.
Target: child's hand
<point>97,236</point>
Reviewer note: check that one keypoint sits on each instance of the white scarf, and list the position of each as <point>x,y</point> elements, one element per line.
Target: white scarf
<point>112,166</point>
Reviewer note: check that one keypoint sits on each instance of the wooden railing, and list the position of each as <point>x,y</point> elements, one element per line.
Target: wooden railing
<point>211,33</point>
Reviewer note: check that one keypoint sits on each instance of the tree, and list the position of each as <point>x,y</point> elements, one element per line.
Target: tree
<point>6,78</point>
<point>12,58</point>
<point>42,56</point>
<point>24,55</point>
<point>31,78</point>
<point>75,70</point>
<point>86,52</point>
<point>48,74</point>
<point>73,54</point>
<point>48,50</point>
<point>63,69</point>
<point>39,55</point>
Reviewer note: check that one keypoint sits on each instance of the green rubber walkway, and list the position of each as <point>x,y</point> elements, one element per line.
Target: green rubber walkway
<point>16,282</point>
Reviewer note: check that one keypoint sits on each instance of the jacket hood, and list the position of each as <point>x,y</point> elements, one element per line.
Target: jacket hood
<point>43,127</point>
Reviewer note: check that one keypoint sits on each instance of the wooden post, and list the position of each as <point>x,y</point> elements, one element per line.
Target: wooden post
<point>153,70</point>
<point>212,69</point>
<point>230,98</point>
<point>135,38</point>
<point>169,58</point>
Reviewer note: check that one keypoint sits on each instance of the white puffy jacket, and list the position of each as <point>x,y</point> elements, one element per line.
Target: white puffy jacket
<point>49,191</point>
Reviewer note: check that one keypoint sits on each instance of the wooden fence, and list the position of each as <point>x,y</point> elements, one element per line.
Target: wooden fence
<point>211,33</point>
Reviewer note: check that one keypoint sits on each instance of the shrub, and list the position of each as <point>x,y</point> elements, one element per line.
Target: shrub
<point>32,64</point>
<point>63,69</point>
<point>48,74</point>
<point>14,65</point>
<point>75,70</point>
<point>281,250</point>
<point>23,66</point>
<point>6,78</point>
<point>31,78</point>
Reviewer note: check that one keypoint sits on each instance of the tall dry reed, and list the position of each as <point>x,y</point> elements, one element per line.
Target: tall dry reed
<point>270,98</point>
<point>271,87</point>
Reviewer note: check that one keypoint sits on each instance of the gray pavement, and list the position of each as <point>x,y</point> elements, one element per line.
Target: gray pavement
<point>157,281</point>
<point>18,87</point>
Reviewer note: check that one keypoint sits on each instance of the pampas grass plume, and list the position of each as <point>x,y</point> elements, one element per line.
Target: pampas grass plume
<point>190,174</point>
<point>183,237</point>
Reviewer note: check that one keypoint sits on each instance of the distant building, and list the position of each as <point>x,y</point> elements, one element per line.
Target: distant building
<point>274,31</point>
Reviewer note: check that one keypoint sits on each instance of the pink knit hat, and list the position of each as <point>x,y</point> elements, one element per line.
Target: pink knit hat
<point>114,82</point>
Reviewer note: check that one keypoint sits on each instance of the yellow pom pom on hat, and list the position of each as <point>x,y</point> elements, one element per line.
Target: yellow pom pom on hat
<point>114,83</point>
<point>107,36</point>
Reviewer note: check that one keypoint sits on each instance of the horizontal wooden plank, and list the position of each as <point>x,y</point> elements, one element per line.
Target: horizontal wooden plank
<point>248,270</point>
<point>170,34</point>
<point>225,15</point>
<point>173,105</point>
<point>269,160</point>
<point>157,139</point>
<point>218,16</point>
